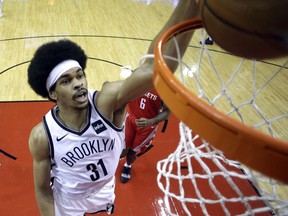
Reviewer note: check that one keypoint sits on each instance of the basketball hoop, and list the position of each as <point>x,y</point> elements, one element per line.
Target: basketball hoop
<point>253,148</point>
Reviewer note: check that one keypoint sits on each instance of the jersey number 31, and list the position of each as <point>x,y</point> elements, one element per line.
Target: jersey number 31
<point>94,168</point>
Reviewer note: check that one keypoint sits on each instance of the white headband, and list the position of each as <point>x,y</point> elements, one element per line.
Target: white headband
<point>58,70</point>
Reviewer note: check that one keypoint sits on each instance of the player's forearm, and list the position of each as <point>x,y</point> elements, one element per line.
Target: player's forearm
<point>45,202</point>
<point>160,117</point>
<point>140,81</point>
<point>185,10</point>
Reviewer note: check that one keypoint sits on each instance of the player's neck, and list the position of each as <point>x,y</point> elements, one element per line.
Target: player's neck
<point>76,120</point>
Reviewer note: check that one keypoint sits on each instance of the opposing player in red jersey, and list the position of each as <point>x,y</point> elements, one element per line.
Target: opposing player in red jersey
<point>143,116</point>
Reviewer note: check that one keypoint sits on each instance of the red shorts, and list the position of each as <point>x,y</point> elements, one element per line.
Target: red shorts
<point>137,138</point>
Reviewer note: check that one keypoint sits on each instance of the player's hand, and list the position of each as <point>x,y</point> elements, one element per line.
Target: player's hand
<point>143,122</point>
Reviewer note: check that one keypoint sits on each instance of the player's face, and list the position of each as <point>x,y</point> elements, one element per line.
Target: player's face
<point>71,89</point>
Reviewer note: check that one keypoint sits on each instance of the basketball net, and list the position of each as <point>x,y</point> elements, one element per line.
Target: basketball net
<point>198,178</point>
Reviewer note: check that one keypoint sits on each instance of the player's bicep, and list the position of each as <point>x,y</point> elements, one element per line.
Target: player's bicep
<point>38,145</point>
<point>41,170</point>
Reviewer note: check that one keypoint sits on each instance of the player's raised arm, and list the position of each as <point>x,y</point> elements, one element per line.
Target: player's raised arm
<point>141,80</point>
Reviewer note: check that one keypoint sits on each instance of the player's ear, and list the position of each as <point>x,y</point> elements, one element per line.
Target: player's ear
<point>52,95</point>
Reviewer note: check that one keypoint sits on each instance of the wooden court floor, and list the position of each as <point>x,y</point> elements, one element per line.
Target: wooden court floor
<point>114,33</point>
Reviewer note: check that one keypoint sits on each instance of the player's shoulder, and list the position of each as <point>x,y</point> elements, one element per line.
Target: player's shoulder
<point>38,133</point>
<point>108,93</point>
<point>154,91</point>
<point>38,142</point>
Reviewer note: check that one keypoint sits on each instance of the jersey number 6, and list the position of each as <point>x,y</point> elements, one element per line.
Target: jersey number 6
<point>142,103</point>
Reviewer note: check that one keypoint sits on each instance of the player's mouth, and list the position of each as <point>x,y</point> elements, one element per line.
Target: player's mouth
<point>81,95</point>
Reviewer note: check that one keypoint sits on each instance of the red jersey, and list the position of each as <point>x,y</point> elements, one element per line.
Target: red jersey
<point>147,106</point>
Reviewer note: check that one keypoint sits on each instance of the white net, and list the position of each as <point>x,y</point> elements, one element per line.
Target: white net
<point>199,179</point>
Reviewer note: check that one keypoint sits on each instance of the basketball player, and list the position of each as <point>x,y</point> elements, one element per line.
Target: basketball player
<point>208,41</point>
<point>143,116</point>
<point>77,145</point>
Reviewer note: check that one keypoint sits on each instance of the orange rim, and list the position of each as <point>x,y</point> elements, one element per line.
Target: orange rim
<point>240,142</point>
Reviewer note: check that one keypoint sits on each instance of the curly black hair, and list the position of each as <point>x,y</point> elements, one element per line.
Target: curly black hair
<point>46,57</point>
